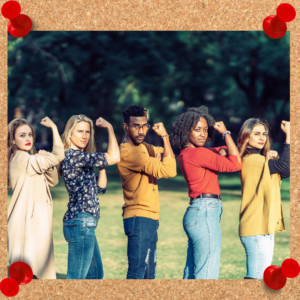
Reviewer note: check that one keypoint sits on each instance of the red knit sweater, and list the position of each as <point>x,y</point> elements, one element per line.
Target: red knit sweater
<point>200,167</point>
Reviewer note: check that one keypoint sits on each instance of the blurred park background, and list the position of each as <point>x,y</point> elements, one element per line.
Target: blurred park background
<point>237,75</point>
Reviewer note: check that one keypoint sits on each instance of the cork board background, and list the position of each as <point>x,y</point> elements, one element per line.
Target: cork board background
<point>154,15</point>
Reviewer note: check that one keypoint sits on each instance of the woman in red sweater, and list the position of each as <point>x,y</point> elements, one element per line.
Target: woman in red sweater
<point>200,166</point>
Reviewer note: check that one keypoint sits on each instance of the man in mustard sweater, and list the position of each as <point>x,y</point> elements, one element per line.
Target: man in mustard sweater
<point>141,164</point>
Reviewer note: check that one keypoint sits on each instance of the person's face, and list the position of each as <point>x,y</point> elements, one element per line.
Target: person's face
<point>258,137</point>
<point>135,131</point>
<point>23,138</point>
<point>81,135</point>
<point>198,136</point>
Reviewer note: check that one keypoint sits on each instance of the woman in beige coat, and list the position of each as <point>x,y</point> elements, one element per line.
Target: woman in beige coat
<point>30,235</point>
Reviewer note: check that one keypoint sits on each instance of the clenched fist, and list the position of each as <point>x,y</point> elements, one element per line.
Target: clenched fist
<point>220,127</point>
<point>102,123</point>
<point>42,152</point>
<point>271,154</point>
<point>223,152</point>
<point>285,127</point>
<point>47,122</point>
<point>159,128</point>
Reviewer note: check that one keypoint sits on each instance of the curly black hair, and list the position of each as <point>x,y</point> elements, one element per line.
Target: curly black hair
<point>184,124</point>
<point>134,111</point>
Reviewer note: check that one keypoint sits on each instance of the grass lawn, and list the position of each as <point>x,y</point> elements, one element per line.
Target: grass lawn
<point>172,241</point>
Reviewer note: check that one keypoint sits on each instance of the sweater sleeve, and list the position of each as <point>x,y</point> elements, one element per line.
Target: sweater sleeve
<point>138,161</point>
<point>158,150</point>
<point>82,159</point>
<point>217,149</point>
<point>281,165</point>
<point>205,158</point>
<point>38,164</point>
<point>52,176</point>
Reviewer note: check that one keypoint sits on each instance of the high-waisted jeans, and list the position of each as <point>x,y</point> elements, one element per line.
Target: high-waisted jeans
<point>84,260</point>
<point>259,253</point>
<point>201,223</point>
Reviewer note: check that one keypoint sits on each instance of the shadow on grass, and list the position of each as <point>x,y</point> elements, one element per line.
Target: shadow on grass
<point>61,276</point>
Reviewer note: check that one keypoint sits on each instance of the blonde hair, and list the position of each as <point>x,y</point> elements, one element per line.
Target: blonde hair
<point>11,147</point>
<point>245,132</point>
<point>66,137</point>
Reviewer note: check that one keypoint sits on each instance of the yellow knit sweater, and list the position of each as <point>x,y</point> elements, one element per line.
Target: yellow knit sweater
<point>139,170</point>
<point>261,209</point>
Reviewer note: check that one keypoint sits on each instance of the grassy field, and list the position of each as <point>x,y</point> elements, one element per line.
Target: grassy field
<point>172,241</point>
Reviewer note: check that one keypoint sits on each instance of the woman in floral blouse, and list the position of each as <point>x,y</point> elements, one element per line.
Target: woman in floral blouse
<point>83,186</point>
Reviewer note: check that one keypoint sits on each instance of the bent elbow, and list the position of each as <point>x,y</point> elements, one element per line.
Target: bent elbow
<point>113,161</point>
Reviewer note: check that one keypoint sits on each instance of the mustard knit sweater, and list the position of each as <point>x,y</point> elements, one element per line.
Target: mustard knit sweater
<point>139,168</point>
<point>261,209</point>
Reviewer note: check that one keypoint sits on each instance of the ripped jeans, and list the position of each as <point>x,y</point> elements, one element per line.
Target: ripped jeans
<point>141,248</point>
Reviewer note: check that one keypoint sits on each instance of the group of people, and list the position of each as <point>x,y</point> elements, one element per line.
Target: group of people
<point>139,164</point>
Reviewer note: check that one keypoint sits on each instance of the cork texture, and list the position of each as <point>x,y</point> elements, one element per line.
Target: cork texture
<point>156,15</point>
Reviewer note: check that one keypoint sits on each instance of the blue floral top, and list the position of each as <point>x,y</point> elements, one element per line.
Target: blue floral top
<point>81,182</point>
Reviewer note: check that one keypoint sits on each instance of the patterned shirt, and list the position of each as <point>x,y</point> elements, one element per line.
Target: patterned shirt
<point>81,182</point>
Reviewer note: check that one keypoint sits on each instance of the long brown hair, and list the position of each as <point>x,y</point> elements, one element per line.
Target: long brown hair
<point>245,132</point>
<point>90,147</point>
<point>11,147</point>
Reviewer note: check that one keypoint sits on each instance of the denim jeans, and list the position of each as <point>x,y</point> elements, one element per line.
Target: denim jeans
<point>201,223</point>
<point>141,248</point>
<point>84,260</point>
<point>259,253</point>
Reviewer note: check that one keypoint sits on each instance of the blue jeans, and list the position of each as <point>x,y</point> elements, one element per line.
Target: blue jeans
<point>141,248</point>
<point>84,260</point>
<point>201,223</point>
<point>259,253</point>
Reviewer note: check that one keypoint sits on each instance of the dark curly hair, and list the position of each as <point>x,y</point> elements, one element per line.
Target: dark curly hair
<point>184,124</point>
<point>134,111</point>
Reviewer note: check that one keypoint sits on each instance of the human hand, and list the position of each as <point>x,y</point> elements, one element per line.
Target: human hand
<point>102,123</point>
<point>159,156</point>
<point>42,152</point>
<point>220,127</point>
<point>285,127</point>
<point>47,122</point>
<point>159,128</point>
<point>223,152</point>
<point>271,154</point>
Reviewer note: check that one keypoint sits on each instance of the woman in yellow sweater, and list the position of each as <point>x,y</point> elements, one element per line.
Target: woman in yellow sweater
<point>261,176</point>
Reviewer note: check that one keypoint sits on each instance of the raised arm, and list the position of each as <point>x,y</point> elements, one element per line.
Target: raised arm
<point>113,153</point>
<point>205,158</point>
<point>231,147</point>
<point>139,161</point>
<point>160,130</point>
<point>47,122</point>
<point>45,163</point>
<point>282,165</point>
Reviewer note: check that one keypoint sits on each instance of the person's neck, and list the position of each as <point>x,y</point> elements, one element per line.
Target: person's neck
<point>129,140</point>
<point>75,147</point>
<point>254,150</point>
<point>189,144</point>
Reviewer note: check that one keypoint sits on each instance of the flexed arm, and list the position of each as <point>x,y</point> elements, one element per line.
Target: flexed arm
<point>47,122</point>
<point>160,130</point>
<point>113,153</point>
<point>232,149</point>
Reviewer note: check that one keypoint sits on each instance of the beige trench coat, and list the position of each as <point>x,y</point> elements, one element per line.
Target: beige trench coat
<point>30,233</point>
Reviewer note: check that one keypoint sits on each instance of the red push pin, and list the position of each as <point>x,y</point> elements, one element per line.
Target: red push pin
<point>275,277</point>
<point>20,273</point>
<point>19,25</point>
<point>275,26</point>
